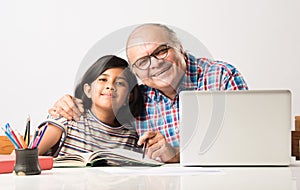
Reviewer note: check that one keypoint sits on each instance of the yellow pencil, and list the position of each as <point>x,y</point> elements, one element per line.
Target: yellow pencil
<point>27,131</point>
<point>21,139</point>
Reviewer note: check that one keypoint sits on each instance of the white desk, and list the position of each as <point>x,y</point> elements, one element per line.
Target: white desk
<point>169,177</point>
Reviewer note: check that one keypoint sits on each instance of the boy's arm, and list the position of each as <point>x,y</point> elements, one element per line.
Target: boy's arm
<point>51,137</point>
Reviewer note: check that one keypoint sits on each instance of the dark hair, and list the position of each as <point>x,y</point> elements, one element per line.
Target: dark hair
<point>135,105</point>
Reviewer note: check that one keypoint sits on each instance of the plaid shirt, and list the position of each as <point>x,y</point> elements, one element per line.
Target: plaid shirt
<point>162,114</point>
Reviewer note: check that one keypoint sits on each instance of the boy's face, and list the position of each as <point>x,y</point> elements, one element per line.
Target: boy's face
<point>109,91</point>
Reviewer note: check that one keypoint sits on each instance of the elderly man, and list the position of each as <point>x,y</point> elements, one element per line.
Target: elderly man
<point>165,69</point>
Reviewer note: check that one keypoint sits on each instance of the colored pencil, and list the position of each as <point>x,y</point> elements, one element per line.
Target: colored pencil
<point>11,138</point>
<point>27,132</point>
<point>14,135</point>
<point>40,136</point>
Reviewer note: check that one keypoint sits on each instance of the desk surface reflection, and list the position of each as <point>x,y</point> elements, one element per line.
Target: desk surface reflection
<point>168,177</point>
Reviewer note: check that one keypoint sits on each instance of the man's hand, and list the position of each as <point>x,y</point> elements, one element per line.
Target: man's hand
<point>68,107</point>
<point>158,148</point>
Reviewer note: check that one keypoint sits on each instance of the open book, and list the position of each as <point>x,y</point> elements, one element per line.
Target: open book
<point>106,157</point>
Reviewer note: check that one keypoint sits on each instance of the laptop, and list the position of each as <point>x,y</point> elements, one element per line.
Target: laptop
<point>235,128</point>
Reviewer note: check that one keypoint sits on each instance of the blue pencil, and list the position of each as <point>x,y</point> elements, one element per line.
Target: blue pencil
<point>11,139</point>
<point>12,133</point>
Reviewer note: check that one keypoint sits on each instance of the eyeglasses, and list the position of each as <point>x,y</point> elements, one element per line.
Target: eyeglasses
<point>160,53</point>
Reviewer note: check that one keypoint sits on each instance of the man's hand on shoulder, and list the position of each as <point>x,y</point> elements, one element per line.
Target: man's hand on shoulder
<point>68,107</point>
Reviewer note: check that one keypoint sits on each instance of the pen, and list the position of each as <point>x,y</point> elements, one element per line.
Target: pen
<point>144,148</point>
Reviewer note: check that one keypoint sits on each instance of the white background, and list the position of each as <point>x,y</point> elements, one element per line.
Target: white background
<point>42,43</point>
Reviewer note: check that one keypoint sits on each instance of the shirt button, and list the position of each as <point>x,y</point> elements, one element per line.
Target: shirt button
<point>177,130</point>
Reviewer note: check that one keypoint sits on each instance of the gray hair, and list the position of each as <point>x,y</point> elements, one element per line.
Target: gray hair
<point>171,33</point>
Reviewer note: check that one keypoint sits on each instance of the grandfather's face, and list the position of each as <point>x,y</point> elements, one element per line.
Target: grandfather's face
<point>155,59</point>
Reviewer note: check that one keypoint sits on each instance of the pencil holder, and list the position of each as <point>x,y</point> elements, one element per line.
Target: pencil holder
<point>27,162</point>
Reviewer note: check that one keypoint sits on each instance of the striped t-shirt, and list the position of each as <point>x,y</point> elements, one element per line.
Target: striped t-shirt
<point>90,134</point>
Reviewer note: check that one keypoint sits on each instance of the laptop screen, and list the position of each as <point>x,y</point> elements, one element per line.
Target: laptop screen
<point>250,127</point>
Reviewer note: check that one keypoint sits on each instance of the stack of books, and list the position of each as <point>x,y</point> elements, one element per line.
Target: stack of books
<point>296,139</point>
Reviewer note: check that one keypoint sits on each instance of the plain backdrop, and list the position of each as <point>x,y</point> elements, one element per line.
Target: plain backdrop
<point>43,43</point>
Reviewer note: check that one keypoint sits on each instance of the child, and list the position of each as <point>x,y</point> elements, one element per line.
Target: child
<point>111,99</point>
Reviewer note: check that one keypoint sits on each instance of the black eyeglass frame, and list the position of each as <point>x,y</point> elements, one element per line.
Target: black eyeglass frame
<point>154,54</point>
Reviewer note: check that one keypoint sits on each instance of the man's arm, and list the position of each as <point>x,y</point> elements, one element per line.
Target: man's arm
<point>68,107</point>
